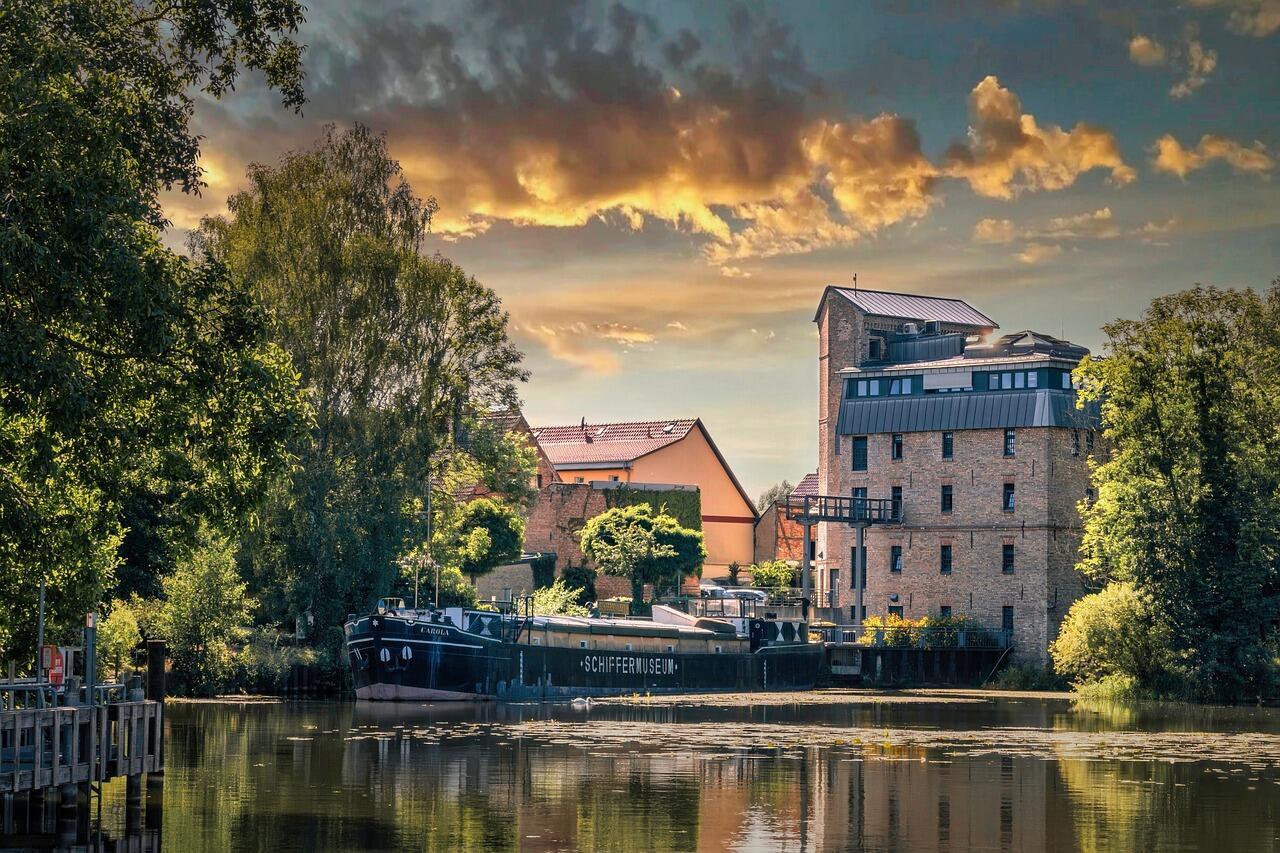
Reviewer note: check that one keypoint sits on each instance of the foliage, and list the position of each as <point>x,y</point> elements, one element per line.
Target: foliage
<point>775,575</point>
<point>493,461</point>
<point>393,349</point>
<point>118,637</point>
<point>930,632</point>
<point>543,567</point>
<point>205,603</point>
<point>582,578</point>
<point>455,589</point>
<point>480,536</point>
<point>734,571</point>
<point>644,547</point>
<point>266,661</point>
<point>558,599</point>
<point>1026,676</point>
<point>684,505</point>
<point>137,388</point>
<point>1114,632</point>
<point>773,494</point>
<point>1188,506</point>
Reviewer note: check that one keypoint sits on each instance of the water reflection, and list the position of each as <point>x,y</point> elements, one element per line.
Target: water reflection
<point>916,775</point>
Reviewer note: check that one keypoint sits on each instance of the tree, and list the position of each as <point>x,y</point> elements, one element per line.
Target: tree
<point>1188,506</point>
<point>644,547</point>
<point>118,636</point>
<point>205,602</point>
<point>773,494</point>
<point>121,364</point>
<point>455,589</point>
<point>734,571</point>
<point>482,535</point>
<point>393,348</point>
<point>1112,633</point>
<point>775,575</point>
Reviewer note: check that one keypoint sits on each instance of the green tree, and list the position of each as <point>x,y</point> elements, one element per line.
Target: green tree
<point>645,547</point>
<point>118,636</point>
<point>1113,633</point>
<point>480,536</point>
<point>122,366</point>
<point>205,604</point>
<point>1188,506</point>
<point>393,347</point>
<point>773,494</point>
<point>775,575</point>
<point>455,589</point>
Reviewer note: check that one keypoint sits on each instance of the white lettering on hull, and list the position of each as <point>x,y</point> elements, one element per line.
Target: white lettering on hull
<point>629,665</point>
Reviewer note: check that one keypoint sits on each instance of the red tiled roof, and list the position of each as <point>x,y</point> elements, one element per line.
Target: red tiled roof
<point>594,444</point>
<point>807,486</point>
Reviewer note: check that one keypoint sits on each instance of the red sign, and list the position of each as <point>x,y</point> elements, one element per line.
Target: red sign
<point>51,657</point>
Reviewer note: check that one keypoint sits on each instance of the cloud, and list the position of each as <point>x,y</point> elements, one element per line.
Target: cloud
<point>1096,225</point>
<point>1144,50</point>
<point>1036,253</point>
<point>1008,152</point>
<point>1172,158</point>
<point>1258,18</point>
<point>1200,63</point>
<point>580,343</point>
<point>994,231</point>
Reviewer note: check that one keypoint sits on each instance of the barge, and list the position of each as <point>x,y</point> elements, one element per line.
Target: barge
<point>398,653</point>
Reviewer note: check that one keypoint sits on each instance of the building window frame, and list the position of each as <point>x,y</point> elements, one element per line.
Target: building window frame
<point>1009,497</point>
<point>946,500</point>
<point>895,559</point>
<point>858,453</point>
<point>948,445</point>
<point>895,447</point>
<point>1008,558</point>
<point>895,501</point>
<point>944,611</point>
<point>946,559</point>
<point>895,610</point>
<point>1010,442</point>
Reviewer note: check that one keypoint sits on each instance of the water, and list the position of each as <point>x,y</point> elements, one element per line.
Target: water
<point>852,771</point>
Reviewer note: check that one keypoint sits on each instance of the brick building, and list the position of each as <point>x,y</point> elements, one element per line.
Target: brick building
<point>779,537</point>
<point>977,436</point>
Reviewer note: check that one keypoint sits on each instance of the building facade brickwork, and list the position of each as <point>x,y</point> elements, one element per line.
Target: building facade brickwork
<point>990,529</point>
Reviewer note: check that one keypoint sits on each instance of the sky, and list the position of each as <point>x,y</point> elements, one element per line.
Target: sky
<point>660,191</point>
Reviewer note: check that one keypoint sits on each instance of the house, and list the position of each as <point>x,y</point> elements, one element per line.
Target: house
<point>780,538</point>
<point>666,452</point>
<point>976,437</point>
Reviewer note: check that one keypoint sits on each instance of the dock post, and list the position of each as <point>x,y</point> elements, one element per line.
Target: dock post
<point>156,653</point>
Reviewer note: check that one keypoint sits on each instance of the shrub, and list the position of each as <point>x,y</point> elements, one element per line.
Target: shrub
<point>118,636</point>
<point>583,579</point>
<point>455,589</point>
<point>264,663</point>
<point>543,567</point>
<point>558,599</point>
<point>734,571</point>
<point>775,575</point>
<point>1113,632</point>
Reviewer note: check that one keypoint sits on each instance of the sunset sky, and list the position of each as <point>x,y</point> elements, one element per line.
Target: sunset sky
<point>659,191</point>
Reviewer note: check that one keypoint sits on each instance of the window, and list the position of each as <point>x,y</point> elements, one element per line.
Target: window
<point>853,613</point>
<point>1033,379</point>
<point>670,648</point>
<point>1075,442</point>
<point>1006,619</point>
<point>895,559</point>
<point>896,451</point>
<point>1010,442</point>
<point>627,647</point>
<point>1089,495</point>
<point>1006,558</point>
<point>944,559</point>
<point>1088,440</point>
<point>860,503</point>
<point>1008,502</point>
<point>853,570</point>
<point>868,388</point>
<point>1066,381</point>
<point>945,611</point>
<point>539,481</point>
<point>859,453</point>
<point>717,650</point>
<point>895,501</point>
<point>613,478</point>
<point>813,550</point>
<point>577,480</point>
<point>895,387</point>
<point>1006,381</point>
<point>1019,380</point>
<point>946,497</point>
<point>895,610</point>
<point>948,445</point>
<point>582,644</point>
<point>873,349</point>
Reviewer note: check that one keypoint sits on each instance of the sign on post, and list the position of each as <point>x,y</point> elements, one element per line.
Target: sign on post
<point>51,660</point>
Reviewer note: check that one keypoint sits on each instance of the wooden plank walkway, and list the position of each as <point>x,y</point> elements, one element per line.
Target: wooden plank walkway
<point>46,747</point>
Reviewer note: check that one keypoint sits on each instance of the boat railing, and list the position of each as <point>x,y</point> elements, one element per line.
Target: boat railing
<point>774,607</point>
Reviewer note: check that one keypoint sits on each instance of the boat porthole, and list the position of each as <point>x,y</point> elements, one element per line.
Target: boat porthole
<point>385,655</point>
<point>406,653</point>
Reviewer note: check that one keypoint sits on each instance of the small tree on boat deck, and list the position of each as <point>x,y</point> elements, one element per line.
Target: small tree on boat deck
<point>646,548</point>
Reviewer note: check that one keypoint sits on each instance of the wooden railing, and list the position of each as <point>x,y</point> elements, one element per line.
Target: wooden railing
<point>42,747</point>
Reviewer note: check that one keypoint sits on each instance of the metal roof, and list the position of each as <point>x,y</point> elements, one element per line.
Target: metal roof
<point>1045,407</point>
<point>908,306</point>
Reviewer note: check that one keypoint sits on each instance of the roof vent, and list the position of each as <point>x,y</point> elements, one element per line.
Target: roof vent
<point>932,327</point>
<point>600,431</point>
<point>910,328</point>
<point>669,428</point>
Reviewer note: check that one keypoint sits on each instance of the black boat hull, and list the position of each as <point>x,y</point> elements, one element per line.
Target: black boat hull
<point>394,659</point>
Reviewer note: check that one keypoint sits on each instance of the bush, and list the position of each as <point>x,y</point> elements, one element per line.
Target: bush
<point>582,578</point>
<point>1114,632</point>
<point>775,575</point>
<point>264,663</point>
<point>558,599</point>
<point>1027,676</point>
<point>543,567</point>
<point>455,589</point>
<point>929,632</point>
<point>118,636</point>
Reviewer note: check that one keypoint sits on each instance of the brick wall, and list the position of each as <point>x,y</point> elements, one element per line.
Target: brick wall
<point>778,537</point>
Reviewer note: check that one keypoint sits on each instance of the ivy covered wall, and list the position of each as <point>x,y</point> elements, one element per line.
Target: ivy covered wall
<point>684,505</point>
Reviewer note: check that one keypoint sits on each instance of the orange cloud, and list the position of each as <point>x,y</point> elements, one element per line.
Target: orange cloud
<point>1144,50</point>
<point>1258,18</point>
<point>1172,158</point>
<point>1009,152</point>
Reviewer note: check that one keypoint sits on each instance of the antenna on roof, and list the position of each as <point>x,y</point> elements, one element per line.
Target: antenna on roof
<point>855,281</point>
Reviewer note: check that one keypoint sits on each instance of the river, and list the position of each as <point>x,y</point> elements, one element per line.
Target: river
<point>845,770</point>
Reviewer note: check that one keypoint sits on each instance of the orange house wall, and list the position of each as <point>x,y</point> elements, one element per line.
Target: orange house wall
<point>691,461</point>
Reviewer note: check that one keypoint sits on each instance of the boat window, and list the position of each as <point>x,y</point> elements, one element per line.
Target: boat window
<point>671,648</point>
<point>628,647</point>
<point>582,644</point>
<point>717,650</point>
